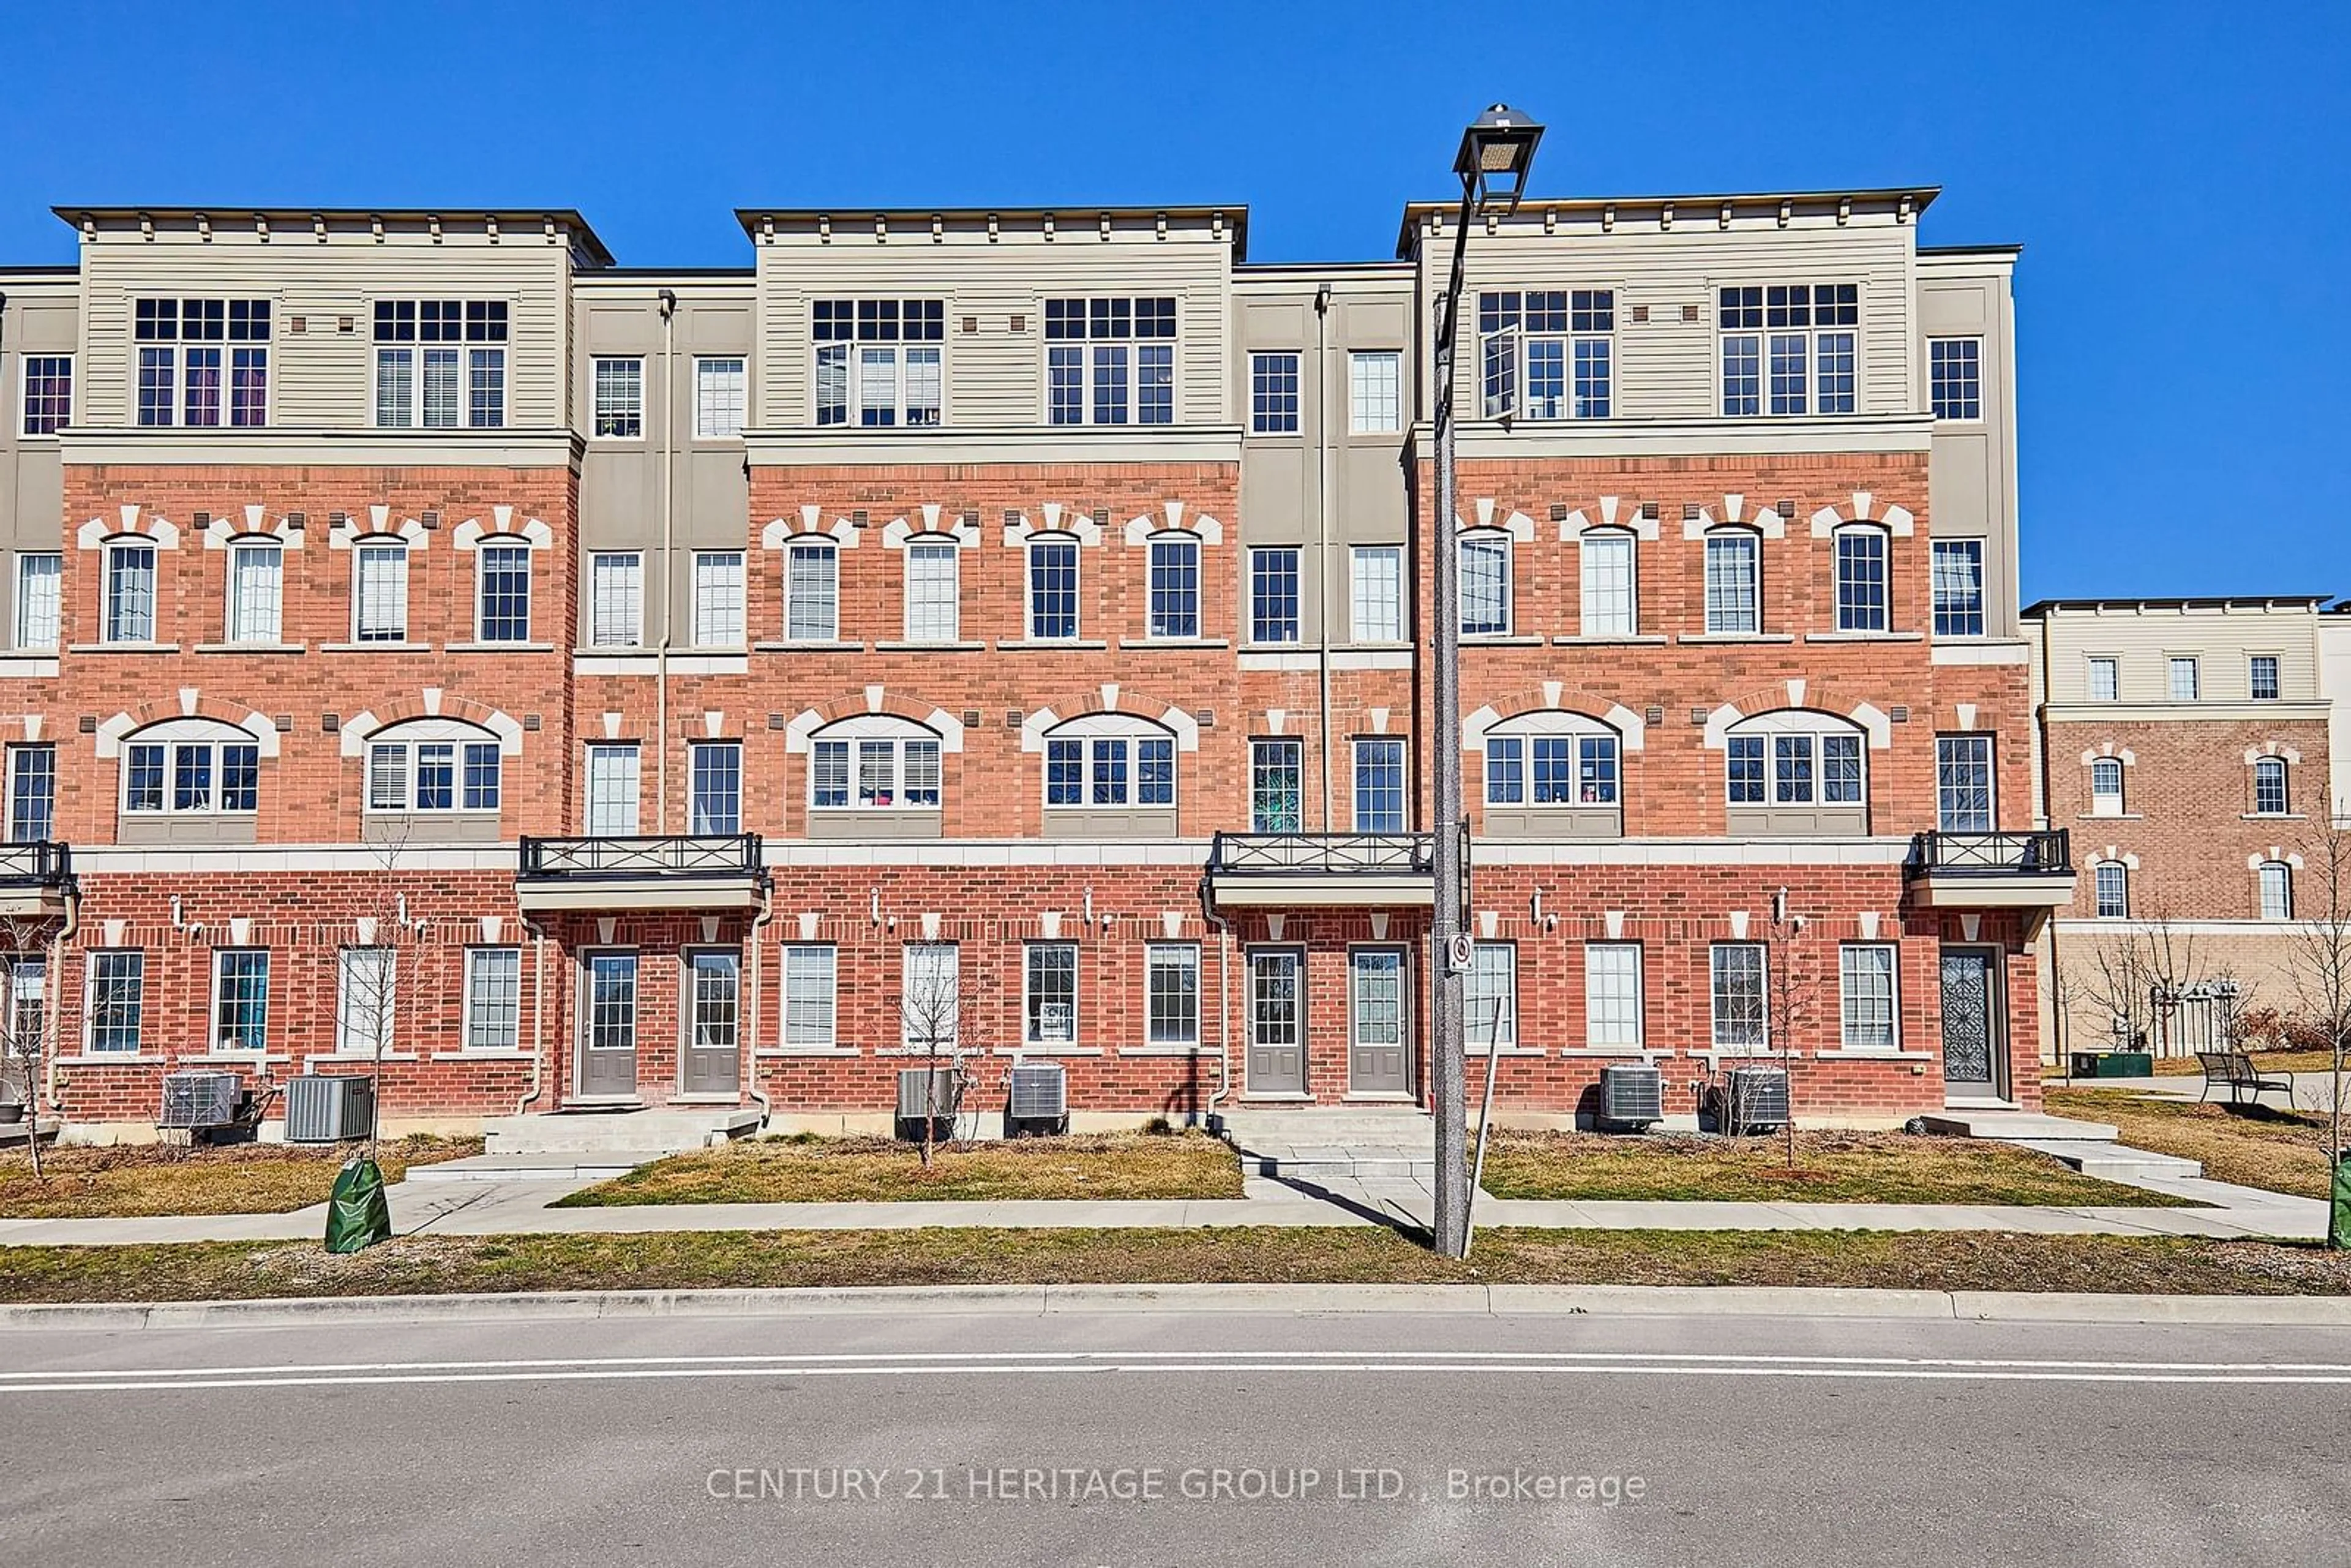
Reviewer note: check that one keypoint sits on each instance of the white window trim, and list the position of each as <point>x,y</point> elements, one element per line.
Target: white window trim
<point>831,1041</point>
<point>853,352</point>
<point>212,1037</point>
<point>1262,357</point>
<point>407,735</point>
<point>1028,994</point>
<point>1754,542</point>
<point>175,735</point>
<point>1815,727</point>
<point>1845,1041</point>
<point>481,590</point>
<point>1190,543</point>
<point>465,349</point>
<point>1553,724</point>
<point>1976,418</point>
<point>1520,342</point>
<point>1613,538</point>
<point>1464,543</point>
<point>1761,1046</point>
<point>90,966</point>
<point>240,548</point>
<point>1357,358</point>
<point>951,973</point>
<point>1249,592</point>
<point>1640,995</point>
<point>23,639</point>
<point>1190,953</point>
<point>742,363</point>
<point>1837,538</point>
<point>22,413</point>
<point>741,589</point>
<point>596,362</point>
<point>2090,662</point>
<point>386,546</point>
<point>113,549</point>
<point>1090,728</point>
<point>828,550</point>
<point>1028,587</point>
<point>1504,1040</point>
<point>635,800</point>
<point>1086,382</point>
<point>594,604</point>
<point>862,730</point>
<point>466,1018</point>
<point>387,1000</point>
<point>1356,556</point>
<point>925,543</point>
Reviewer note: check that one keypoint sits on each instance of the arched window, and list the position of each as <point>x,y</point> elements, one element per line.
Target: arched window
<point>255,589</point>
<point>1052,588</point>
<point>190,768</point>
<point>2269,785</point>
<point>434,765</point>
<point>1109,761</point>
<point>1553,772</point>
<point>1861,577</point>
<point>2106,786</point>
<point>2111,879</point>
<point>2276,891</point>
<point>1733,591</point>
<point>1485,585</point>
<point>874,762</point>
<point>1797,772</point>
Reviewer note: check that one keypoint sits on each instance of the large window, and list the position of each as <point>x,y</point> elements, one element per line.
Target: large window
<point>930,1002</point>
<point>240,999</point>
<point>1732,595</point>
<point>1379,786</point>
<point>811,592</point>
<point>1096,769</point>
<point>1276,775</point>
<point>48,394</point>
<point>933,591</point>
<point>2269,785</point>
<point>40,576</point>
<point>1049,993</point>
<point>1959,587</point>
<point>620,397</point>
<point>1273,594</point>
<point>1053,589</point>
<point>1866,984</point>
<point>256,583</point>
<point>502,575</point>
<point>174,773</point>
<point>718,599</point>
<point>117,1001</point>
<point>130,593</point>
<point>441,364</point>
<point>1171,1004</point>
<point>1175,587</point>
<point>1557,344</point>
<point>493,998</point>
<point>718,397</point>
<point>1778,767</point>
<point>1376,588</point>
<point>1110,361</point>
<point>1273,394</point>
<point>872,765</point>
<point>616,599</point>
<point>1490,999</point>
<point>1861,579</point>
<point>880,358</point>
<point>1607,584</point>
<point>1788,348</point>
<point>1375,392</point>
<point>32,792</point>
<point>1737,993</point>
<point>366,980</point>
<point>612,791</point>
<point>1571,769</point>
<point>2112,882</point>
<point>1484,565</point>
<point>715,769</point>
<point>434,765</point>
<point>1612,995</point>
<point>1963,784</point>
<point>380,592</point>
<point>203,362</point>
<point>2276,891</point>
<point>809,996</point>
<point>1954,377</point>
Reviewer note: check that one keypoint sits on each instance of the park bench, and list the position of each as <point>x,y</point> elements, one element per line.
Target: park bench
<point>2236,1071</point>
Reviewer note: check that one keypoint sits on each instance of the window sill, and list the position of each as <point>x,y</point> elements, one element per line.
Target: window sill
<point>786,1052</point>
<point>1857,1053</point>
<point>1735,637</point>
<point>2273,817</point>
<point>1865,636</point>
<point>477,1056</point>
<point>1760,1055</point>
<point>122,648</point>
<point>1062,646</point>
<point>2109,817</point>
<point>252,647</point>
<point>1499,640</point>
<point>1125,643</point>
<point>108,1059</point>
<point>1300,646</point>
<point>930,647</point>
<point>375,647</point>
<point>1629,640</point>
<point>500,648</point>
<point>808,645</point>
<point>1055,1050</point>
<point>1174,1052</point>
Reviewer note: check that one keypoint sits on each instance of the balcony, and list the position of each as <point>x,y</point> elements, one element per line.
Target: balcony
<point>2033,871</point>
<point>676,872</point>
<point>35,879</point>
<point>1322,869</point>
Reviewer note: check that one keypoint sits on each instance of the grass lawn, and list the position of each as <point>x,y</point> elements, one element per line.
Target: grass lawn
<point>444,1264</point>
<point>2265,1062</point>
<point>808,1170</point>
<point>1831,1167</point>
<point>2255,1146</point>
<point>237,1178</point>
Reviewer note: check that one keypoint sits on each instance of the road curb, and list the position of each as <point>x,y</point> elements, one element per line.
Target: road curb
<point>1038,1301</point>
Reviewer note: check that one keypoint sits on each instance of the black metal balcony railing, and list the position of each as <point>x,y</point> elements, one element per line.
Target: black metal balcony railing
<point>1388,854</point>
<point>44,862</point>
<point>2043,851</point>
<point>673,855</point>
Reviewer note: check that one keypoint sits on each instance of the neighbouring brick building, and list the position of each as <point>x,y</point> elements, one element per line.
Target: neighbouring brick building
<point>596,686</point>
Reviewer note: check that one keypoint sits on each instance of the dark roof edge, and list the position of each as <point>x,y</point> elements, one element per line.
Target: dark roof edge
<point>2223,601</point>
<point>569,217</point>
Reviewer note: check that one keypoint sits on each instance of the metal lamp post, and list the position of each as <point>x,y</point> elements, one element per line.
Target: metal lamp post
<point>1496,150</point>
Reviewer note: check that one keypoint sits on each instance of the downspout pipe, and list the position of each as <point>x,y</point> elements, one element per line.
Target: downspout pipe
<point>1224,999</point>
<point>668,298</point>
<point>750,1064</point>
<point>537,1015</point>
<point>54,980</point>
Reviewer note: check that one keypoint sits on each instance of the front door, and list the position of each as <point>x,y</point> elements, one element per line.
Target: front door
<point>1376,1055</point>
<point>1974,1043</point>
<point>1277,1037</point>
<point>608,1026</point>
<point>712,1028</point>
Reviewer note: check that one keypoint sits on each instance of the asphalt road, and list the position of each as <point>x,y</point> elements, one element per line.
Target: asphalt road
<point>1134,1437</point>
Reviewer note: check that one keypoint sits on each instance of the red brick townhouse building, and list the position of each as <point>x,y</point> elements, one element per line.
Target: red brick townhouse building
<point>589,687</point>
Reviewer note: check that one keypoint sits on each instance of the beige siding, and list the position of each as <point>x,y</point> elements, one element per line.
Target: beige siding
<point>2143,641</point>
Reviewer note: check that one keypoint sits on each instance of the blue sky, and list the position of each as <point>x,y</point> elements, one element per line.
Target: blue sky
<point>2173,171</point>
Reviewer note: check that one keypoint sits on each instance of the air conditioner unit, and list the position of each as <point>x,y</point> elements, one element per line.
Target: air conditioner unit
<point>1039,1101</point>
<point>1753,1100</point>
<point>1632,1095</point>
<point>197,1100</point>
<point>927,1092</point>
<point>327,1110</point>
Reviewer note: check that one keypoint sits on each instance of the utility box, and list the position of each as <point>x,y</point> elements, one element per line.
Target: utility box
<point>193,1102</point>
<point>933,1092</point>
<point>1039,1101</point>
<point>1632,1095</point>
<point>320,1109</point>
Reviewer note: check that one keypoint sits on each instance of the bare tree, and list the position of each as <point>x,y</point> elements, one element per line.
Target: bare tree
<point>28,1026</point>
<point>2141,973</point>
<point>368,981</point>
<point>2319,958</point>
<point>1792,995</point>
<point>931,1024</point>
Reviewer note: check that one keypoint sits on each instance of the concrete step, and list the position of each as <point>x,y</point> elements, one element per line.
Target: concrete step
<point>2014,1126</point>
<point>2116,1162</point>
<point>529,1167</point>
<point>645,1132</point>
<point>1333,1125</point>
<point>1317,1163</point>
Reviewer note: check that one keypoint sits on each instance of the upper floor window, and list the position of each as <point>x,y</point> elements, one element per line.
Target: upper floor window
<point>2111,881</point>
<point>2276,891</point>
<point>1788,347</point>
<point>616,599</point>
<point>130,593</point>
<point>1100,760</point>
<point>714,784</point>
<point>718,599</point>
<point>48,394</point>
<point>880,357</point>
<point>191,767</point>
<point>502,572</point>
<point>1485,567</point>
<point>2261,678</point>
<point>1607,586</point>
<point>2107,786</point>
<point>1555,343</point>
<point>1963,783</point>
<point>1273,394</point>
<point>1732,594</point>
<point>380,592</point>
<point>1553,760</point>
<point>257,591</point>
<point>620,397</point>
<point>719,397</point>
<point>2184,681</point>
<point>1175,587</point>
<point>1110,361</point>
<point>2269,785</point>
<point>874,763</point>
<point>194,355</point>
<point>433,765</point>
<point>2106,679</point>
<point>1277,776</point>
<point>614,790</point>
<point>1376,575</point>
<point>933,591</point>
<point>1375,392</point>
<point>32,792</point>
<point>1954,377</point>
<point>40,576</point>
<point>441,364</point>
<point>1959,587</point>
<point>1273,594</point>
<point>1861,579</point>
<point>1053,589</point>
<point>811,591</point>
<point>1379,786</point>
<point>1775,765</point>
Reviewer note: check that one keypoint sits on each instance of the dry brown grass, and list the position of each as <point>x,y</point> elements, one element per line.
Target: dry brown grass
<point>1831,1167</point>
<point>941,1256</point>
<point>882,1170</point>
<point>2252,1147</point>
<point>155,1179</point>
<point>2264,1062</point>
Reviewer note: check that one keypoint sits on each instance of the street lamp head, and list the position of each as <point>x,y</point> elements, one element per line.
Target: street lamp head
<point>1497,152</point>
